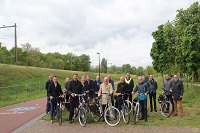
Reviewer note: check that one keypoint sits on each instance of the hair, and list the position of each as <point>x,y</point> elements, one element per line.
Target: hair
<point>76,74</point>
<point>55,76</point>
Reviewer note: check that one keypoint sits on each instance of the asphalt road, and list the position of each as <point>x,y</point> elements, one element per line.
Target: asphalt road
<point>15,116</point>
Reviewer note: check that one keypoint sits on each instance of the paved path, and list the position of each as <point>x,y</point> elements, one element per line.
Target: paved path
<point>14,116</point>
<point>42,126</point>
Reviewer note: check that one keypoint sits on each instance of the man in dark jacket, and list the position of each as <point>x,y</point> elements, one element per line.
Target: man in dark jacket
<point>130,82</point>
<point>74,88</point>
<point>166,89</point>
<point>177,94</point>
<point>89,87</point>
<point>50,81</point>
<point>142,88</point>
<point>122,88</point>
<point>96,85</point>
<point>54,91</point>
<point>152,84</point>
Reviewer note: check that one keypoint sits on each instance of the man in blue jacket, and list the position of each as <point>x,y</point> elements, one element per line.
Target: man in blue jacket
<point>142,88</point>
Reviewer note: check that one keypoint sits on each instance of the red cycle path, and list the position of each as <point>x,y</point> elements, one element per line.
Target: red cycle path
<point>14,116</point>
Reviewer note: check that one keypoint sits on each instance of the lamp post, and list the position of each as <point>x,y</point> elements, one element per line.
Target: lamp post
<point>16,62</point>
<point>99,63</point>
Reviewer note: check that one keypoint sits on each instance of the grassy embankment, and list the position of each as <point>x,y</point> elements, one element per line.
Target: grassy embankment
<point>32,81</point>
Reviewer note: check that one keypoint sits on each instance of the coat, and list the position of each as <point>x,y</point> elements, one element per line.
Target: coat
<point>105,89</point>
<point>177,89</point>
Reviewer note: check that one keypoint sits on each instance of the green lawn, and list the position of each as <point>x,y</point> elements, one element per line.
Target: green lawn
<point>191,116</point>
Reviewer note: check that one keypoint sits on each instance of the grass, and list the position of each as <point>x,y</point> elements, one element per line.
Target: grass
<point>23,75</point>
<point>31,81</point>
<point>191,108</point>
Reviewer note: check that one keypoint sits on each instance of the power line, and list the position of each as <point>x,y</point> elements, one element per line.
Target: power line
<point>15,26</point>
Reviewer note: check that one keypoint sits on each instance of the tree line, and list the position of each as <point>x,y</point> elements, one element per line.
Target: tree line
<point>31,56</point>
<point>176,46</point>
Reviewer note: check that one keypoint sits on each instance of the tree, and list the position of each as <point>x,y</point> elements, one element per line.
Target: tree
<point>104,65</point>
<point>149,70</point>
<point>85,60</point>
<point>126,68</point>
<point>140,71</point>
<point>187,26</point>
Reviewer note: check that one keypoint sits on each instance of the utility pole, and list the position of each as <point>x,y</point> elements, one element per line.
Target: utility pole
<point>15,26</point>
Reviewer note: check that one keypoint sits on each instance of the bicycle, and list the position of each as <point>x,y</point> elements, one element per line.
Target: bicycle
<point>96,110</point>
<point>166,105</point>
<point>137,108</point>
<point>111,114</point>
<point>125,109</point>
<point>58,109</point>
<point>80,111</point>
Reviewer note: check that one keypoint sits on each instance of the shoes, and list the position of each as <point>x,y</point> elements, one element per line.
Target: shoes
<point>51,121</point>
<point>146,120</point>
<point>155,110</point>
<point>166,111</point>
<point>181,116</point>
<point>141,118</point>
<point>151,110</point>
<point>70,122</point>
<point>174,114</point>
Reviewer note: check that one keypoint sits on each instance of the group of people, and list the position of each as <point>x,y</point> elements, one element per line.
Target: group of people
<point>173,88</point>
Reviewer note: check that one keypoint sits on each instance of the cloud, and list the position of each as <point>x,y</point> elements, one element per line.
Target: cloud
<point>119,30</point>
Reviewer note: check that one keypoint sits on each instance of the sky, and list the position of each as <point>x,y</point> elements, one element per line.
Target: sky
<point>120,30</point>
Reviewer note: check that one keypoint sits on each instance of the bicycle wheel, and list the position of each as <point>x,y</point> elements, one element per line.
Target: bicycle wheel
<point>130,105</point>
<point>136,112</point>
<point>95,112</point>
<point>166,109</point>
<point>126,114</point>
<point>112,116</point>
<point>82,116</point>
<point>59,113</point>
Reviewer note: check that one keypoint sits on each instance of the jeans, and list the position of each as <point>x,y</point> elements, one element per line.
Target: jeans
<point>169,97</point>
<point>53,108</point>
<point>152,96</point>
<point>48,105</point>
<point>73,105</point>
<point>143,104</point>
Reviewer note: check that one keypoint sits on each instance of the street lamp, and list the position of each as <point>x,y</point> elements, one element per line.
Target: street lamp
<point>16,62</point>
<point>99,63</point>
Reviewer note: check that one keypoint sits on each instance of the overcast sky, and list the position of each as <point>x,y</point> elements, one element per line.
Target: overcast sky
<point>120,30</point>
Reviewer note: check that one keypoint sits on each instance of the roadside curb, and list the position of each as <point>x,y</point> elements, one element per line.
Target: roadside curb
<point>21,128</point>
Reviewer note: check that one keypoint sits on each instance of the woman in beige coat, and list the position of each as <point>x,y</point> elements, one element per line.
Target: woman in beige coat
<point>104,90</point>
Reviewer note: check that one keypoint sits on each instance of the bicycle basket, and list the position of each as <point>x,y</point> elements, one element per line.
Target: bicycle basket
<point>135,101</point>
<point>142,97</point>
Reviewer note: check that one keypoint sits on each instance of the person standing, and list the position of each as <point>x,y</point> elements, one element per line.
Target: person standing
<point>177,94</point>
<point>74,88</point>
<point>142,88</point>
<point>113,87</point>
<point>122,88</point>
<point>50,81</point>
<point>89,85</point>
<point>54,91</point>
<point>130,82</point>
<point>166,89</point>
<point>105,90</point>
<point>152,84</point>
<point>96,85</point>
<point>66,93</point>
